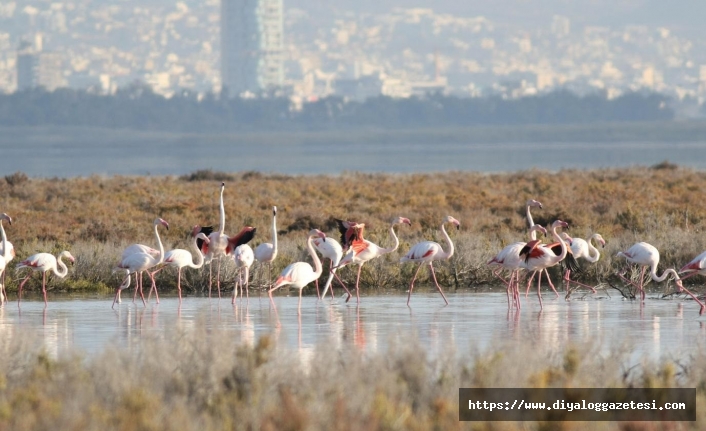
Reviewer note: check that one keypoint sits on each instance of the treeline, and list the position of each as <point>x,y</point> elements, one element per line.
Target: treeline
<point>137,107</point>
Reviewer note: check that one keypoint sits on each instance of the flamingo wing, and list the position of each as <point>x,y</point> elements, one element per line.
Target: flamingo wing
<point>697,264</point>
<point>39,261</point>
<point>531,250</point>
<point>206,230</point>
<point>243,237</point>
<point>350,232</point>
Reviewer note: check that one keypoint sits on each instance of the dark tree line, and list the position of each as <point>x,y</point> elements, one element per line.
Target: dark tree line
<point>137,107</point>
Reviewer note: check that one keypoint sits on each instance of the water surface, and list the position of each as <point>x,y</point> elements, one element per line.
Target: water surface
<point>472,321</point>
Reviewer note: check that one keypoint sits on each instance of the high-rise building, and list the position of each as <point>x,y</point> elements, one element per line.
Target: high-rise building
<point>37,68</point>
<point>252,46</point>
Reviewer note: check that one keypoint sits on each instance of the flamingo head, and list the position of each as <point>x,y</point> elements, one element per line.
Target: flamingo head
<point>539,228</point>
<point>162,222</point>
<point>195,230</point>
<point>600,239</point>
<point>559,223</point>
<point>274,211</point>
<point>68,256</point>
<point>450,219</point>
<point>317,233</point>
<point>680,286</point>
<point>223,186</point>
<point>534,203</point>
<point>567,238</point>
<point>400,220</point>
<point>6,217</point>
<point>203,237</point>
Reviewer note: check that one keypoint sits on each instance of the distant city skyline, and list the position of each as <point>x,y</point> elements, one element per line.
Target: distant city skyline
<point>364,48</point>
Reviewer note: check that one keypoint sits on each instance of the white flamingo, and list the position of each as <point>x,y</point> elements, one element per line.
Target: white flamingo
<point>267,252</point>
<point>583,248</point>
<point>647,256</point>
<point>8,252</point>
<point>364,250</point>
<point>538,257</point>
<point>44,262</point>
<point>141,248</point>
<point>221,245</point>
<point>299,274</point>
<point>179,258</point>
<point>331,250</point>
<point>243,257</point>
<point>139,262</point>
<point>428,252</point>
<point>509,258</point>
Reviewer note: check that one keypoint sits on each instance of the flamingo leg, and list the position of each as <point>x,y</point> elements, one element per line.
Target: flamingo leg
<point>299,306</point>
<point>529,283</point>
<point>642,283</point>
<point>549,280</point>
<point>218,277</point>
<point>318,295</point>
<point>539,290</point>
<point>179,283</point>
<point>137,285</point>
<point>342,285</point>
<point>518,303</point>
<point>703,306</point>
<point>357,280</point>
<point>154,286</point>
<point>247,284</point>
<point>142,295</point>
<point>411,285</point>
<point>431,267</point>
<point>210,277</point>
<point>19,293</point>
<point>272,301</point>
<point>44,286</point>
<point>235,289</point>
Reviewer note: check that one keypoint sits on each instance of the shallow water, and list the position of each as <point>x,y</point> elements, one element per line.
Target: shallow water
<point>166,157</point>
<point>471,321</point>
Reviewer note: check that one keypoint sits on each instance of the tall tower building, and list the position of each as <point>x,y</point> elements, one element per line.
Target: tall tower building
<point>252,46</point>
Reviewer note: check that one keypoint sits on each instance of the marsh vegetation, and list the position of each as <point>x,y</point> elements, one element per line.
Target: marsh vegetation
<point>95,217</point>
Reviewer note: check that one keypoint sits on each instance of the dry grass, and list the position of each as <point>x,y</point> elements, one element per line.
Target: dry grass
<point>200,379</point>
<point>94,217</point>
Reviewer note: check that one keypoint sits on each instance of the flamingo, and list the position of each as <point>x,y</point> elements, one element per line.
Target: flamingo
<point>267,252</point>
<point>180,258</point>
<point>138,262</point>
<point>428,252</point>
<point>44,262</point>
<point>244,257</point>
<point>220,244</point>
<point>331,250</point>
<point>299,274</point>
<point>8,252</point>
<point>141,248</point>
<point>583,248</point>
<point>509,258</point>
<point>538,257</point>
<point>646,255</point>
<point>364,250</point>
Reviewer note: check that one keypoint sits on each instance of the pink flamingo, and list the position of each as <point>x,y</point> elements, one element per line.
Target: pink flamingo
<point>509,258</point>
<point>6,255</point>
<point>583,248</point>
<point>428,252</point>
<point>141,248</point>
<point>138,262</point>
<point>646,255</point>
<point>299,274</point>
<point>331,250</point>
<point>538,257</point>
<point>221,245</point>
<point>44,262</point>
<point>179,258</point>
<point>243,257</point>
<point>364,250</point>
<point>267,252</point>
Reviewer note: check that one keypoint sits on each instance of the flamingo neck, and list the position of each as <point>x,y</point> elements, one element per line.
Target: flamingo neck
<point>533,234</point>
<point>274,236</point>
<point>199,256</point>
<point>222,220</point>
<point>61,273</point>
<point>561,243</point>
<point>444,254</point>
<point>593,253</point>
<point>665,274</point>
<point>5,251</point>
<point>318,269</point>
<point>159,244</point>
<point>395,239</point>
